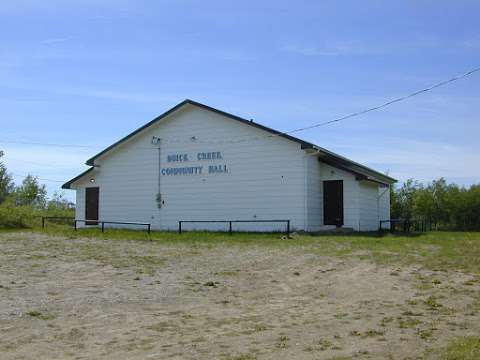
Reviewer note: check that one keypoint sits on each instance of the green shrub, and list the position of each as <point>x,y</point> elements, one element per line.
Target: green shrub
<point>25,216</point>
<point>12,216</point>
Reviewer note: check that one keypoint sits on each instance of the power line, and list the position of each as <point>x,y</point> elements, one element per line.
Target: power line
<point>51,144</point>
<point>316,125</point>
<point>50,180</point>
<point>9,159</point>
<point>402,98</point>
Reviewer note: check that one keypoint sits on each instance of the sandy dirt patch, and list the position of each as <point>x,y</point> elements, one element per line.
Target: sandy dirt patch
<point>111,299</point>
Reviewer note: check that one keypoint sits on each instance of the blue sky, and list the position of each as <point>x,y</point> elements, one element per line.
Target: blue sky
<point>89,72</point>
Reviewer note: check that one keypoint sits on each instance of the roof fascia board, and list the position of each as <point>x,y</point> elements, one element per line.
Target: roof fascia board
<point>69,183</point>
<point>358,175</point>
<point>303,144</point>
<point>345,160</point>
<point>91,161</point>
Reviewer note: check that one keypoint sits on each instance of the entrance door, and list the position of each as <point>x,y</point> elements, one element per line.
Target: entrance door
<point>333,202</point>
<point>91,205</point>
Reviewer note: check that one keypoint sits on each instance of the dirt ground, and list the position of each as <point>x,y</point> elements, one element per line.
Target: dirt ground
<point>71,298</point>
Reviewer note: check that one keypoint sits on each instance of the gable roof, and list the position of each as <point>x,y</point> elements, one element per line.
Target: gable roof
<point>324,154</point>
<point>71,181</point>
<point>304,144</point>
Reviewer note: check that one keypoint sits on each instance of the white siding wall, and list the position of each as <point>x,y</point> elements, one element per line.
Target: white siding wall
<point>350,195</point>
<point>314,193</point>
<point>80,203</point>
<point>361,208</point>
<point>265,179</point>
<point>368,206</point>
<point>80,185</point>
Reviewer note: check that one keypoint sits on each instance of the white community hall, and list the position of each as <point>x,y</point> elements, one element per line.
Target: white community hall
<point>196,163</point>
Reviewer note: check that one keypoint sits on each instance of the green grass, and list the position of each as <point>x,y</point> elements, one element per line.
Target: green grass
<point>433,250</point>
<point>408,322</point>
<point>40,315</point>
<point>282,342</point>
<point>432,303</point>
<point>467,348</point>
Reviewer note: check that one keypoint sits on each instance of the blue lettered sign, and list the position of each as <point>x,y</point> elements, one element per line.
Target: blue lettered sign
<point>195,170</point>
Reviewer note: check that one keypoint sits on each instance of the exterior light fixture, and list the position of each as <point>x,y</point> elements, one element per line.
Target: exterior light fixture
<point>92,180</point>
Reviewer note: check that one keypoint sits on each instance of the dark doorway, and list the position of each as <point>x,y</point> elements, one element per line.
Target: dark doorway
<point>333,202</point>
<point>91,205</point>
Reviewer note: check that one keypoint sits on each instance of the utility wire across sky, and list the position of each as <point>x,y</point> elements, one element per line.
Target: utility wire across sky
<point>48,180</point>
<point>402,98</point>
<point>316,125</point>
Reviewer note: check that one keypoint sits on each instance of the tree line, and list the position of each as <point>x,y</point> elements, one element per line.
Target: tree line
<point>21,205</point>
<point>445,205</point>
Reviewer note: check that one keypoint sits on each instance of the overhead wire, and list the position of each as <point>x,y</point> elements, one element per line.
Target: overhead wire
<point>38,178</point>
<point>315,125</point>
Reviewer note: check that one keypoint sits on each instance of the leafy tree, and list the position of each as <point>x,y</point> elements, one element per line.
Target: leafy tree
<point>58,202</point>
<point>468,218</point>
<point>430,202</point>
<point>405,198</point>
<point>395,208</point>
<point>447,206</point>
<point>31,193</point>
<point>6,184</point>
<point>439,189</point>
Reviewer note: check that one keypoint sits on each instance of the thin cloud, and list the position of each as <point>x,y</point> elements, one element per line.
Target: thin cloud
<point>138,97</point>
<point>54,41</point>
<point>311,51</point>
<point>471,44</point>
<point>330,50</point>
<point>107,94</point>
<point>354,47</point>
<point>422,160</point>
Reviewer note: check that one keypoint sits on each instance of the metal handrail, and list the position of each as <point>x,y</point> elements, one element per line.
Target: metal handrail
<point>102,222</point>
<point>230,222</point>
<point>44,218</point>
<point>420,225</point>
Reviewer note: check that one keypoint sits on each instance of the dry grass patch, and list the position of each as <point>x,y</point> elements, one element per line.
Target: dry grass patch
<point>246,296</point>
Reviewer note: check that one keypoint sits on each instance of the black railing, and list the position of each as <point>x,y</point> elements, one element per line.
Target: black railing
<point>102,223</point>
<point>45,218</point>
<point>405,225</point>
<point>230,222</point>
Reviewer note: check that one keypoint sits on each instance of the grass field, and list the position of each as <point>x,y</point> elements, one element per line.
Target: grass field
<point>129,295</point>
